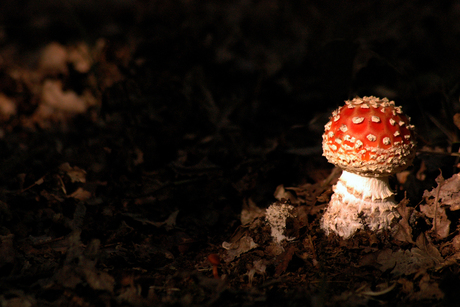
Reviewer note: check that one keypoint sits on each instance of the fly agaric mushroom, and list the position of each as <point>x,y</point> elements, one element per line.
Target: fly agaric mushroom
<point>369,139</point>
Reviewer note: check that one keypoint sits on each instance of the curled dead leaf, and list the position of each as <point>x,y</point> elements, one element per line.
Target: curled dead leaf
<point>404,262</point>
<point>235,249</point>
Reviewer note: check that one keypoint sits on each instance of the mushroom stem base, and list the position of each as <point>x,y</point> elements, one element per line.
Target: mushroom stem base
<point>357,203</point>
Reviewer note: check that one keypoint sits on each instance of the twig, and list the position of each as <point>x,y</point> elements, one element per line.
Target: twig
<point>440,182</point>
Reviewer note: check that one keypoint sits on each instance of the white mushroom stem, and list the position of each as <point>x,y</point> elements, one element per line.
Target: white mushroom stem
<point>359,202</point>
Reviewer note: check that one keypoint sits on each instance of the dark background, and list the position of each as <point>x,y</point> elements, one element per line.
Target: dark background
<point>225,101</point>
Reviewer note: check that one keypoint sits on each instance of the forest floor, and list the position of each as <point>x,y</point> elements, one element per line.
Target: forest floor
<point>139,139</point>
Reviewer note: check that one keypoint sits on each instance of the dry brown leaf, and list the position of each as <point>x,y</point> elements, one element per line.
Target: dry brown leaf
<point>259,267</point>
<point>53,59</point>
<point>81,194</point>
<point>281,193</point>
<point>55,97</point>
<point>441,224</point>
<point>75,173</point>
<point>99,280</point>
<point>235,249</point>
<point>449,192</point>
<point>407,285</point>
<point>404,231</point>
<point>80,56</point>
<point>283,261</point>
<point>7,107</point>
<point>406,262</point>
<point>457,120</point>
<point>250,211</point>
<point>456,242</point>
<point>428,290</point>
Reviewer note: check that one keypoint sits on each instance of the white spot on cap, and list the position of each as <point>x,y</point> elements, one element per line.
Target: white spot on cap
<point>371,137</point>
<point>386,141</point>
<point>328,126</point>
<point>396,133</point>
<point>333,147</point>
<point>343,128</point>
<point>358,144</point>
<point>407,136</point>
<point>357,120</point>
<point>338,141</point>
<point>365,106</point>
<point>330,134</point>
<point>336,118</point>
<point>401,123</point>
<point>392,121</point>
<point>375,119</point>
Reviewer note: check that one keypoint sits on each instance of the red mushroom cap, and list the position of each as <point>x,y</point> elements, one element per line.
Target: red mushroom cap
<point>369,136</point>
<point>214,259</point>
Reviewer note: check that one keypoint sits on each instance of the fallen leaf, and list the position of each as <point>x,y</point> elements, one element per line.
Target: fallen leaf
<point>235,249</point>
<point>54,96</point>
<point>457,120</point>
<point>80,56</point>
<point>405,262</point>
<point>250,211</point>
<point>441,224</point>
<point>404,230</point>
<point>53,59</point>
<point>259,267</point>
<point>81,194</point>
<point>281,193</point>
<point>447,192</point>
<point>284,260</point>
<point>429,290</point>
<point>7,107</point>
<point>75,173</point>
